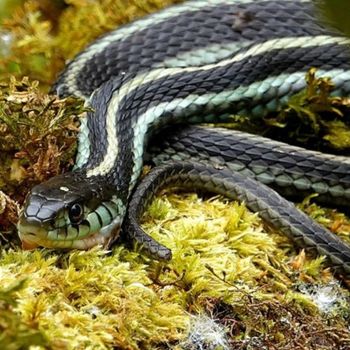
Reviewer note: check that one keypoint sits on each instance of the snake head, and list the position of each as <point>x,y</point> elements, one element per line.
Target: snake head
<point>70,211</point>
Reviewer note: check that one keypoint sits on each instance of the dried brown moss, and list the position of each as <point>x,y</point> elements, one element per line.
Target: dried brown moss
<point>37,141</point>
<point>37,135</point>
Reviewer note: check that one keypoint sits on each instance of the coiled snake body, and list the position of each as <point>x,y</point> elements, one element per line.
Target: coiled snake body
<point>200,61</point>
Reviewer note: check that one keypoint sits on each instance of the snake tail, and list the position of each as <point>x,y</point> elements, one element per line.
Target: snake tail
<point>271,207</point>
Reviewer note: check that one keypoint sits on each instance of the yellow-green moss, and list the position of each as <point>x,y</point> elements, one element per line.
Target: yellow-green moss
<point>14,332</point>
<point>123,299</point>
<point>226,263</point>
<point>91,300</point>
<point>45,34</point>
<point>320,114</point>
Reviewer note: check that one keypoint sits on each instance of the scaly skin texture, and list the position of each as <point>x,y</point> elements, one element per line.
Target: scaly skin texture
<point>268,48</point>
<point>291,171</point>
<point>194,33</point>
<point>279,212</point>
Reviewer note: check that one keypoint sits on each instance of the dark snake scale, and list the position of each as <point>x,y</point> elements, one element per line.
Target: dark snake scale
<point>199,62</point>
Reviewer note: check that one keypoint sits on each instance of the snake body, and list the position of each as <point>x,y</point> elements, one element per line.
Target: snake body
<point>200,61</point>
<point>292,171</point>
<point>279,212</point>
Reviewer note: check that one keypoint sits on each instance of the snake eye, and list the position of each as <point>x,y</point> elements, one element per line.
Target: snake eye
<point>76,213</point>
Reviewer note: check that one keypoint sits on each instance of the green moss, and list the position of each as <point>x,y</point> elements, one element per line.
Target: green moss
<point>226,263</point>
<point>314,116</point>
<point>335,12</point>
<point>126,300</point>
<point>42,32</point>
<point>91,299</point>
<point>16,333</point>
<point>225,258</point>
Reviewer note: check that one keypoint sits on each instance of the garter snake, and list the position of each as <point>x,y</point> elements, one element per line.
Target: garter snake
<point>200,61</point>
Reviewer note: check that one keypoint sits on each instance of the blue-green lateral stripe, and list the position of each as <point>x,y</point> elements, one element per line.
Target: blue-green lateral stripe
<point>284,85</point>
<point>246,70</point>
<point>72,72</point>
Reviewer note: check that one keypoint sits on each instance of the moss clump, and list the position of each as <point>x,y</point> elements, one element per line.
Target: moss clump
<point>37,141</point>
<point>15,333</point>
<point>9,212</point>
<point>335,221</point>
<point>37,135</point>
<point>315,116</point>
<point>30,46</point>
<point>92,300</point>
<point>226,264</point>
<point>243,275</point>
<point>7,6</point>
<point>41,32</point>
<point>335,12</point>
<point>97,299</point>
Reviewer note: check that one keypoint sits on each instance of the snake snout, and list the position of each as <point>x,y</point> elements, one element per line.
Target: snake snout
<point>30,232</point>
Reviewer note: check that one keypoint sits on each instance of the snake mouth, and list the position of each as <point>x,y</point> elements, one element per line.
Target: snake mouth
<point>33,237</point>
<point>28,243</point>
